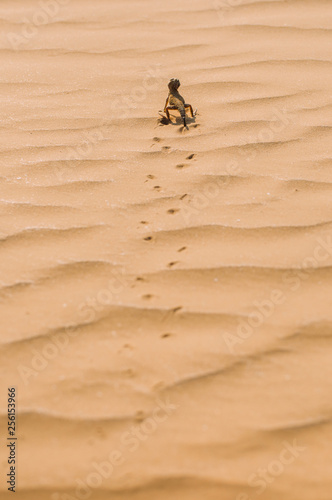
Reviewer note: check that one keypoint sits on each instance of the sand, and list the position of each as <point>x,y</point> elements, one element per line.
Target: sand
<point>166,293</point>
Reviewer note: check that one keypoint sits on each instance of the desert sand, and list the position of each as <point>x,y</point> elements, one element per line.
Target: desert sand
<point>166,293</point>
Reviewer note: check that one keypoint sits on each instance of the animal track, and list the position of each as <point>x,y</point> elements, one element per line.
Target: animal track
<point>140,415</point>
<point>127,346</point>
<point>171,264</point>
<point>176,309</point>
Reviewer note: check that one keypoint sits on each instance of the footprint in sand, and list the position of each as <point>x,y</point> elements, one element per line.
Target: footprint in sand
<point>176,309</point>
<point>140,415</point>
<point>166,335</point>
<point>155,139</point>
<point>126,348</point>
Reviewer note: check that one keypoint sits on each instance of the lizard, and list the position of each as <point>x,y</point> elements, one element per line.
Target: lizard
<point>176,101</point>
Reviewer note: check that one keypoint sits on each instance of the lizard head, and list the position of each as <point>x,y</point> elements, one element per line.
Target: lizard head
<point>174,84</point>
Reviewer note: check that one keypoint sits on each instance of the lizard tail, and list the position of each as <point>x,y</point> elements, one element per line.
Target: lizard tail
<point>183,116</point>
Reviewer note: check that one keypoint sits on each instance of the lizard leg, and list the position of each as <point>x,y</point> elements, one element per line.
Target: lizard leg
<point>167,110</point>
<point>165,105</point>
<point>191,109</point>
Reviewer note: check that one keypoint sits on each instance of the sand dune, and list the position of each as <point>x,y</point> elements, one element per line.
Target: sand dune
<point>165,294</point>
